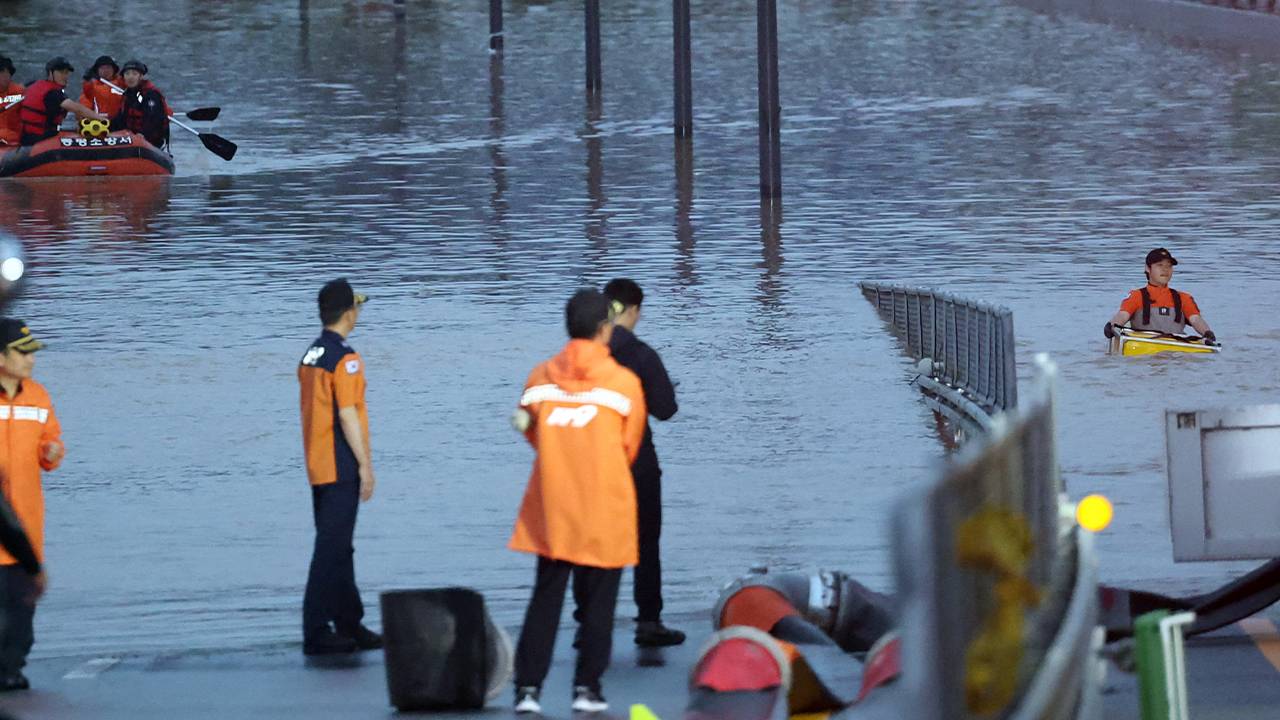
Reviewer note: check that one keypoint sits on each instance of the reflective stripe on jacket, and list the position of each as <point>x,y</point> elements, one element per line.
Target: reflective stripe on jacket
<point>10,122</point>
<point>588,422</point>
<point>28,426</point>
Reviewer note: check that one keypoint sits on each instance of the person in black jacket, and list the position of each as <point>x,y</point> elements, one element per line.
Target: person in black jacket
<point>660,398</point>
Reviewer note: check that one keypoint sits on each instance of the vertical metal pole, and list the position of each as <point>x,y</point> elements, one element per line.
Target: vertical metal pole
<point>495,25</point>
<point>683,65</point>
<point>397,9</point>
<point>593,46</point>
<point>770,107</point>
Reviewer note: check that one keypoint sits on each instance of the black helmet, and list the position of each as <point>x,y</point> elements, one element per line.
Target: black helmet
<point>104,60</point>
<point>7,64</point>
<point>58,63</point>
<point>134,65</point>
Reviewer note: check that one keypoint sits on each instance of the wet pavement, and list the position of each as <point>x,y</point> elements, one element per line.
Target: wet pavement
<point>1229,678</point>
<point>975,146</point>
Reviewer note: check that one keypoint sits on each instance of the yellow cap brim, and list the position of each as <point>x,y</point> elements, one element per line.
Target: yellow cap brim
<point>26,344</point>
<point>361,299</point>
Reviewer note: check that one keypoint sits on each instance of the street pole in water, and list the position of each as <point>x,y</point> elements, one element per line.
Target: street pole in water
<point>770,108</point>
<point>683,65</point>
<point>593,46</point>
<point>495,25</point>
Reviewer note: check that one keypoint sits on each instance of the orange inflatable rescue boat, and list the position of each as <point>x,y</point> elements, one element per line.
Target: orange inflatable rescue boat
<point>70,155</point>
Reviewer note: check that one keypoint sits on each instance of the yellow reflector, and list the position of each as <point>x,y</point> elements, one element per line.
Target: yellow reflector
<point>1094,513</point>
<point>641,712</point>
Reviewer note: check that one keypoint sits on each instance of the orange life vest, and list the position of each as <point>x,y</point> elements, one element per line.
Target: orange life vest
<point>98,95</point>
<point>36,121</point>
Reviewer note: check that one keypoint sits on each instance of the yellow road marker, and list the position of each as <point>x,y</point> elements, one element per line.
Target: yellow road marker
<point>641,712</point>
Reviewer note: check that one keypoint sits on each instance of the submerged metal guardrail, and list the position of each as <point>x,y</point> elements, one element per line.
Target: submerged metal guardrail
<point>997,589</point>
<point>971,375</point>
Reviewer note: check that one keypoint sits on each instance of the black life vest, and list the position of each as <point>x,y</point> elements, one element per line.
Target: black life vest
<point>36,123</point>
<point>143,112</point>
<point>1177,306</point>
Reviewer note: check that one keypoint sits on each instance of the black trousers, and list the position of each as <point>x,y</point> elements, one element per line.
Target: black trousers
<point>596,590</point>
<point>648,577</point>
<point>17,633</point>
<point>648,574</point>
<point>331,595</point>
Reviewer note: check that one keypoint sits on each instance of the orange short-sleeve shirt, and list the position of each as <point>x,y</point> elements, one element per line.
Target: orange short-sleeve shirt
<point>1160,297</point>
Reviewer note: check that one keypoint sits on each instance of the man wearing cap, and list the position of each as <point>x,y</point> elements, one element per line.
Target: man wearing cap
<point>45,104</point>
<point>10,97</point>
<point>1158,307</point>
<point>144,110</point>
<point>335,439</point>
<point>103,89</point>
<point>30,432</point>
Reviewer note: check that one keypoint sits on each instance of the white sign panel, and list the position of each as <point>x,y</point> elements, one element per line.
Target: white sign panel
<point>1224,483</point>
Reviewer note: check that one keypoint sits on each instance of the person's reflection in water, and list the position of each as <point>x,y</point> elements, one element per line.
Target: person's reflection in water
<point>686,271</point>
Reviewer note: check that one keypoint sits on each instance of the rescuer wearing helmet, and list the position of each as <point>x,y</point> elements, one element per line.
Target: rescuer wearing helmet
<point>1158,307</point>
<point>103,89</point>
<point>144,110</point>
<point>10,97</point>
<point>45,104</point>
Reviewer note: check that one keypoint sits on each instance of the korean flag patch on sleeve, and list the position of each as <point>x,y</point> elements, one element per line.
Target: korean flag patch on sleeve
<point>353,367</point>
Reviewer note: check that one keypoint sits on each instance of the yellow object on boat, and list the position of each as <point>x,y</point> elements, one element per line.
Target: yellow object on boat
<point>1145,342</point>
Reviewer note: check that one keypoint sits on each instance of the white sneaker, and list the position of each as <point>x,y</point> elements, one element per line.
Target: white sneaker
<point>527,700</point>
<point>587,700</point>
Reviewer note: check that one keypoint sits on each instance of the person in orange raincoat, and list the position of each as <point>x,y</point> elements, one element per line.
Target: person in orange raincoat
<point>32,439</point>
<point>97,91</point>
<point>10,94</point>
<point>584,414</point>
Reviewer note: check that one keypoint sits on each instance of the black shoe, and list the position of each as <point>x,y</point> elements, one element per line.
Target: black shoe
<point>328,643</point>
<point>15,681</point>
<point>652,633</point>
<point>365,638</point>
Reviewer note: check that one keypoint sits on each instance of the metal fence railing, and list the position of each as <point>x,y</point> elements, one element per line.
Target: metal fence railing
<point>969,345</point>
<point>997,592</point>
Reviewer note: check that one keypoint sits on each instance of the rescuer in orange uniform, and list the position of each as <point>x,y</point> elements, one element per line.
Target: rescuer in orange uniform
<point>1158,307</point>
<point>10,95</point>
<point>335,439</point>
<point>584,414</point>
<point>45,104</point>
<point>97,91</point>
<point>32,441</point>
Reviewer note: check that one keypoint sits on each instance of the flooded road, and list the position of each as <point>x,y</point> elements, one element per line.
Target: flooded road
<point>973,146</point>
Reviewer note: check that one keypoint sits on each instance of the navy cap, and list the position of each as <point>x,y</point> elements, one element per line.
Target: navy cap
<point>15,335</point>
<point>338,295</point>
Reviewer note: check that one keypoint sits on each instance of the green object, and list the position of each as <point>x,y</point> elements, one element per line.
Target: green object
<point>1152,674</point>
